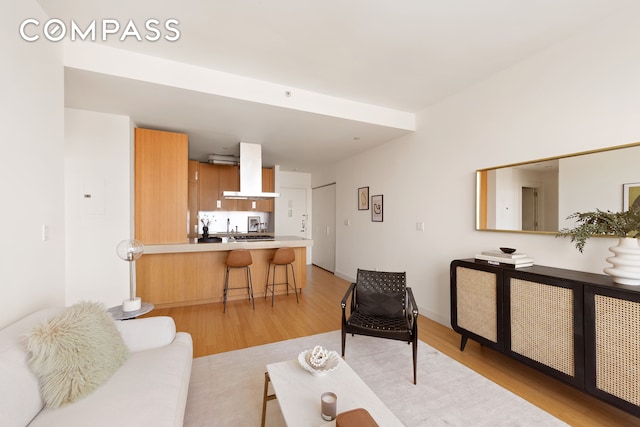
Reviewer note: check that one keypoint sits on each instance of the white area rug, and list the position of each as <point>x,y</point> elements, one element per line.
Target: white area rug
<point>226,389</point>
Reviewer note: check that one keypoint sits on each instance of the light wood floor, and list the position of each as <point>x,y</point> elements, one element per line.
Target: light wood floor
<point>319,311</point>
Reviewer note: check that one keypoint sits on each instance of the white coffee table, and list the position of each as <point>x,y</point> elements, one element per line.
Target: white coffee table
<point>298,393</point>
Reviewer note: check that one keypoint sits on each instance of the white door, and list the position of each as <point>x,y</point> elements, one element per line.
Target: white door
<point>324,227</point>
<point>292,215</point>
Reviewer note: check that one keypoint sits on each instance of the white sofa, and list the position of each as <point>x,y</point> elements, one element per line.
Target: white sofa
<point>150,389</point>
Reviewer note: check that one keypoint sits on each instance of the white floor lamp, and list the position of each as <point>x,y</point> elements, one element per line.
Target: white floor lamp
<point>131,250</point>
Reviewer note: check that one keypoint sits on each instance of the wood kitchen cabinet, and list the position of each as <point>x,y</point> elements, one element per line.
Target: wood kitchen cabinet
<point>160,186</point>
<point>193,196</point>
<point>228,180</point>
<point>268,185</point>
<point>207,187</point>
<point>215,179</point>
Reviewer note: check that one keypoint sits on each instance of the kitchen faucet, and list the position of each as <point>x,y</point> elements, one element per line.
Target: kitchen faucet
<point>228,224</point>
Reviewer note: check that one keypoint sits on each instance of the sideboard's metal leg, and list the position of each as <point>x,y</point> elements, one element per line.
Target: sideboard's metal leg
<point>463,342</point>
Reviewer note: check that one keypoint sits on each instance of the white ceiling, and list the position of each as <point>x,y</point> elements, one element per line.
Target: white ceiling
<point>404,55</point>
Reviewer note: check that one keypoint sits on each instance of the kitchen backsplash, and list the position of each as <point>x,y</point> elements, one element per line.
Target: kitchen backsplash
<point>218,221</point>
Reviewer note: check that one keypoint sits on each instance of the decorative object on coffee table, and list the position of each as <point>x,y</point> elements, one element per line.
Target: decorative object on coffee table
<point>318,361</point>
<point>359,417</point>
<point>329,405</point>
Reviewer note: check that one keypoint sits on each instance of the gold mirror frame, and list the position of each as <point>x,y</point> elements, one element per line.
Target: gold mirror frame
<point>485,201</point>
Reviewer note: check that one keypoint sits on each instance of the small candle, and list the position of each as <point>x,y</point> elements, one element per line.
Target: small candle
<point>329,402</point>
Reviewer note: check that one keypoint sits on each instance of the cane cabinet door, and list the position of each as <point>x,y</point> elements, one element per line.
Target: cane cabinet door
<point>476,303</point>
<point>612,334</point>
<point>543,324</point>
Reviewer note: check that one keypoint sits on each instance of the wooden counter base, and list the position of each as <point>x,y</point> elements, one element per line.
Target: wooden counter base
<point>190,278</point>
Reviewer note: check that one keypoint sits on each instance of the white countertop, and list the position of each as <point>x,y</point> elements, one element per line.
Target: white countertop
<point>193,246</point>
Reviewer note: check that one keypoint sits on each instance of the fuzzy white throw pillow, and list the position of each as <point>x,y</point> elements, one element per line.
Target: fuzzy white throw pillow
<point>75,352</point>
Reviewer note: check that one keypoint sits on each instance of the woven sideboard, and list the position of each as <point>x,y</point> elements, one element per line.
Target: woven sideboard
<point>578,327</point>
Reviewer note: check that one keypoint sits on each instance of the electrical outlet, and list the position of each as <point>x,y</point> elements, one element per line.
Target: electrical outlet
<point>45,232</point>
<point>420,226</point>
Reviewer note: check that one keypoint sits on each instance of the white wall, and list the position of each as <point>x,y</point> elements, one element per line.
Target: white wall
<point>98,163</point>
<point>324,176</point>
<point>579,95</point>
<point>31,168</point>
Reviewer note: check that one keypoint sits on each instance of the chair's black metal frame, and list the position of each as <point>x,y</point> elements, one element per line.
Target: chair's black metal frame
<point>403,328</point>
<point>273,285</point>
<point>249,287</point>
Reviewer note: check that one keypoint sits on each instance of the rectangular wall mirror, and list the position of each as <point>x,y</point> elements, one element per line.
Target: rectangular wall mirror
<point>537,196</point>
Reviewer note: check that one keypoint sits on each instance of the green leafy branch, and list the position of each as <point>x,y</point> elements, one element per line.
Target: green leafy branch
<point>607,223</point>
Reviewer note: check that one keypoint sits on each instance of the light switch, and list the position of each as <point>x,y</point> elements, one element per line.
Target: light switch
<point>420,226</point>
<point>218,204</point>
<point>347,222</point>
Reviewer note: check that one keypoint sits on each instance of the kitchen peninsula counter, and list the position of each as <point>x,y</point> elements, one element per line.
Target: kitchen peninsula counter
<point>191,273</point>
<point>193,246</point>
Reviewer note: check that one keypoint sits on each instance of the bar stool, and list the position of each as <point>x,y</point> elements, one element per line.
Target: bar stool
<point>239,258</point>
<point>283,257</point>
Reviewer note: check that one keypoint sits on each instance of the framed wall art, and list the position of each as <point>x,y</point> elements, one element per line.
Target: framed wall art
<point>630,195</point>
<point>376,208</point>
<point>253,224</point>
<point>363,198</point>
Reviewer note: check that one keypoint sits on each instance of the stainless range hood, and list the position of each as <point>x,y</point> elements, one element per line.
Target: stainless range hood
<point>250,175</point>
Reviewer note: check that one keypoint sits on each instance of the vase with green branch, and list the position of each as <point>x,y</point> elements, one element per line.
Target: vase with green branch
<point>625,225</point>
